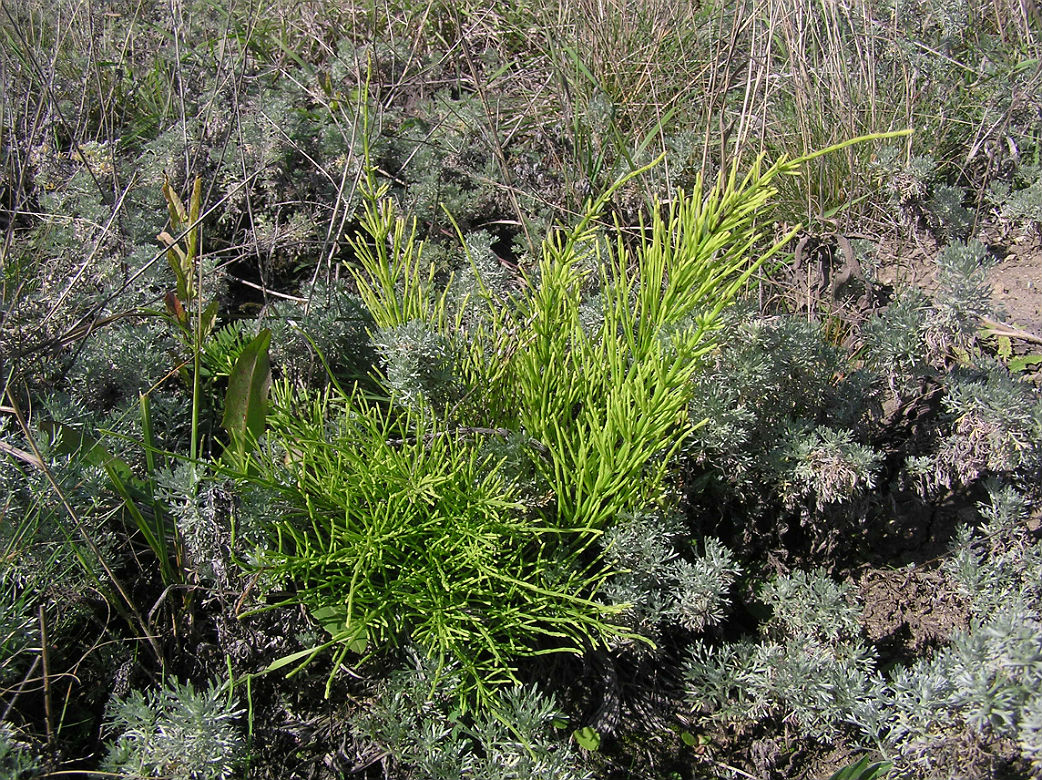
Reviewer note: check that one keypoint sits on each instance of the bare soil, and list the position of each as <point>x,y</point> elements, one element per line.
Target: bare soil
<point>1016,279</point>
<point>909,611</point>
<point>1017,284</point>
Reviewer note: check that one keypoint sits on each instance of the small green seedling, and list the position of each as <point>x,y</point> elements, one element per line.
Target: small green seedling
<point>587,738</point>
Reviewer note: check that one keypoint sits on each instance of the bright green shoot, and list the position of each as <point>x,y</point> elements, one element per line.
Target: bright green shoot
<point>391,279</point>
<point>611,406</point>
<point>402,531</point>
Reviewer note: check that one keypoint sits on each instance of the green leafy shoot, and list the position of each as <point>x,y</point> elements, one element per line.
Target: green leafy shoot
<point>246,402</point>
<point>610,405</point>
<point>400,531</point>
<point>863,769</point>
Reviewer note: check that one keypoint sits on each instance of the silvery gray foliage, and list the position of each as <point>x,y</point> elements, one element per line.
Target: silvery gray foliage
<point>979,695</point>
<point>917,335</point>
<point>478,274</point>
<point>1020,204</point>
<point>999,567</point>
<point>905,181</point>
<point>42,560</point>
<point>786,416</point>
<point>17,761</point>
<point>174,731</point>
<point>417,364</point>
<point>895,342</point>
<point>724,683</point>
<point>822,464</point>
<point>820,688</point>
<point>950,216</point>
<point>591,314</point>
<point>963,297</point>
<point>1030,733</point>
<point>519,742</point>
<point>980,690</point>
<point>768,375</point>
<point>415,720</point>
<point>199,507</point>
<point>118,362</point>
<point>658,583</point>
<point>810,666</point>
<point>994,427</point>
<point>641,549</point>
<point>995,669</point>
<point>812,606</point>
<point>700,587</point>
<point>333,327</point>
<point>450,168</point>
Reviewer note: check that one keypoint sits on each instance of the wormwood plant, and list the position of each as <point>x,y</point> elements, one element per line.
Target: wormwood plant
<point>977,700</point>
<point>810,667</point>
<point>16,760</point>
<point>413,720</point>
<point>660,586</point>
<point>175,731</point>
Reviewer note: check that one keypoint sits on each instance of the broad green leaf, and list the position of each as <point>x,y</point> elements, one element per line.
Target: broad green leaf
<point>246,403</point>
<point>195,206</point>
<point>863,770</point>
<point>587,738</point>
<point>301,655</point>
<point>178,215</point>
<point>1023,363</point>
<point>337,622</point>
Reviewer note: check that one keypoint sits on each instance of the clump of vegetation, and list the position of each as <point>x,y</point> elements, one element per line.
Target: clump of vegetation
<point>811,668</point>
<point>174,731</point>
<point>415,723</point>
<point>518,390</point>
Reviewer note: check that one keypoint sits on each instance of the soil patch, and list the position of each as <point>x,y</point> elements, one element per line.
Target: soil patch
<point>909,611</point>
<point>1016,279</point>
<point>1017,283</point>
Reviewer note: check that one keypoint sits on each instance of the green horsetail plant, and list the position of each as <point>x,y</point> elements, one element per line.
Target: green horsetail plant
<point>400,531</point>
<point>391,280</point>
<point>401,527</point>
<point>610,406</point>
